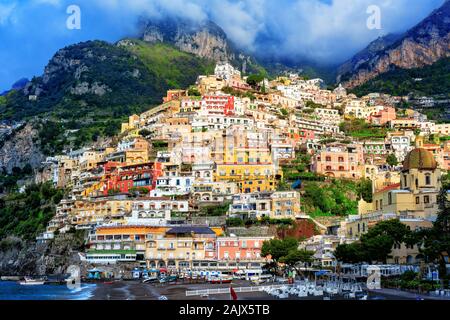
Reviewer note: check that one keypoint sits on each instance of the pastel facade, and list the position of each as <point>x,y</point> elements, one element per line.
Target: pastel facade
<point>340,161</point>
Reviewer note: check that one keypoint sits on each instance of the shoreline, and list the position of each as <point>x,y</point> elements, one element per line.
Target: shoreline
<point>136,290</point>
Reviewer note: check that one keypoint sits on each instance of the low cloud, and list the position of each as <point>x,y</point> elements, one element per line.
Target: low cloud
<point>325,31</point>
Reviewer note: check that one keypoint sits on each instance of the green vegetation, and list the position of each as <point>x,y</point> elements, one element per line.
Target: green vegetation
<point>330,199</point>
<point>27,214</point>
<point>410,280</point>
<point>179,69</point>
<point>237,93</point>
<point>358,128</point>
<point>312,105</point>
<point>79,103</point>
<point>436,241</point>
<point>298,169</point>
<point>145,132</point>
<point>377,243</point>
<point>215,210</point>
<point>401,82</point>
<point>8,182</point>
<point>193,92</point>
<point>285,251</point>
<point>392,160</point>
<point>158,144</point>
<point>264,221</point>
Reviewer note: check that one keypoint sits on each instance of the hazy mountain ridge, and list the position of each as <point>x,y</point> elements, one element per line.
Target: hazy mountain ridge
<point>422,45</point>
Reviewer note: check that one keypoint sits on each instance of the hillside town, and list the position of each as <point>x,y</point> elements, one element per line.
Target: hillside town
<point>203,180</point>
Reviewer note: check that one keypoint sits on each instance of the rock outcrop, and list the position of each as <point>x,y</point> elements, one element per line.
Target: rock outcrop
<point>18,257</point>
<point>422,45</point>
<point>20,149</point>
<point>204,39</point>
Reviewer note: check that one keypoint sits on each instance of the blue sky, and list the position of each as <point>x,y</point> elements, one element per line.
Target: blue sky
<point>327,31</point>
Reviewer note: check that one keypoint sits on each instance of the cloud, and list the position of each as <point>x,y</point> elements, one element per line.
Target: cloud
<point>6,11</point>
<point>326,31</point>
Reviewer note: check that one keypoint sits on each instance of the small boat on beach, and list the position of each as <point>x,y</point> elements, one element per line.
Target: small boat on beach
<point>218,280</point>
<point>150,280</point>
<point>28,281</point>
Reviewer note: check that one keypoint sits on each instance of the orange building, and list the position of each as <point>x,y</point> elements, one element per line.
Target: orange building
<point>110,244</point>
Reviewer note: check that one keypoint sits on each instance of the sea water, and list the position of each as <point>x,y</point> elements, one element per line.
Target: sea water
<point>12,290</point>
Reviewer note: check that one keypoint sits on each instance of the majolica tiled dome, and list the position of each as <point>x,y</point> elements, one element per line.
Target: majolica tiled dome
<point>419,159</point>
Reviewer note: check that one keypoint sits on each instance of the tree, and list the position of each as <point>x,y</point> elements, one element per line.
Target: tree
<point>285,251</point>
<point>392,160</point>
<point>255,79</point>
<point>365,190</point>
<point>145,132</point>
<point>193,92</point>
<point>277,248</point>
<point>436,241</point>
<point>351,253</point>
<point>297,256</point>
<point>27,169</point>
<point>377,243</point>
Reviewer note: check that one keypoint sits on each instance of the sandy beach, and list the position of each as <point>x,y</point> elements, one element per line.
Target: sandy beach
<point>135,290</point>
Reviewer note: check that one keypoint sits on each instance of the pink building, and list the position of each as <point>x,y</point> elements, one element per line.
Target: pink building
<point>240,248</point>
<point>383,116</point>
<point>339,161</point>
<point>219,105</point>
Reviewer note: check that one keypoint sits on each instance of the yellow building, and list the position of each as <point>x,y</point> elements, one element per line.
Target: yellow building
<point>210,84</point>
<point>181,248</point>
<point>133,122</point>
<point>250,177</point>
<point>416,195</point>
<point>90,212</point>
<point>285,205</point>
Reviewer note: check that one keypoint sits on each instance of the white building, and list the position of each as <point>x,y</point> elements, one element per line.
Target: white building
<point>226,71</point>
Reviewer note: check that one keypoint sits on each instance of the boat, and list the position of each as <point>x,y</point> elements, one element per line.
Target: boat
<point>168,279</point>
<point>28,281</point>
<point>150,280</point>
<point>218,280</point>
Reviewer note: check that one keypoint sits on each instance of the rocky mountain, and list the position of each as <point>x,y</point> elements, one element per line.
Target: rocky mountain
<point>87,90</point>
<point>19,84</point>
<point>21,149</point>
<point>204,39</point>
<point>423,45</point>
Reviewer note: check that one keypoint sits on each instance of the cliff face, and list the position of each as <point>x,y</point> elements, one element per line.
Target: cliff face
<point>423,45</point>
<point>204,39</point>
<point>18,258</point>
<point>20,148</point>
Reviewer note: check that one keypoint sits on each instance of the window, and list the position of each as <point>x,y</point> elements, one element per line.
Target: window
<point>417,200</point>
<point>390,198</point>
<point>426,199</point>
<point>427,179</point>
<point>328,159</point>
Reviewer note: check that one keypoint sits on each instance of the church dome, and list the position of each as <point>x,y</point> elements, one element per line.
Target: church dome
<point>419,159</point>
